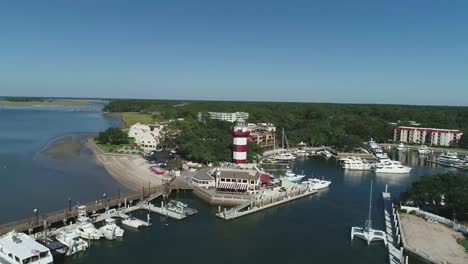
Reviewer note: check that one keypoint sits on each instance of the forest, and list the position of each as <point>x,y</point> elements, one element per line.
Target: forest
<point>442,194</point>
<point>344,126</point>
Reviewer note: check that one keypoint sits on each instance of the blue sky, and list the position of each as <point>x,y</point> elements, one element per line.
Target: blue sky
<point>369,51</point>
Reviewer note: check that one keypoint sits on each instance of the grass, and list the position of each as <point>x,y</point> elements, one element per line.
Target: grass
<point>464,243</point>
<point>131,118</point>
<point>109,148</point>
<point>45,103</point>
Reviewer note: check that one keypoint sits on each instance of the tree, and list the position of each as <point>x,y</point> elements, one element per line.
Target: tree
<point>113,136</point>
<point>174,164</point>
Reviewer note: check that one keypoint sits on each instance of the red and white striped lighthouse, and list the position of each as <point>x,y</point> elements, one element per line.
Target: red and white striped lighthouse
<point>240,133</point>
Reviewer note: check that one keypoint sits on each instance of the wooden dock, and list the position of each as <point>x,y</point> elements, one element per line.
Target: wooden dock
<point>64,215</point>
<point>394,252</point>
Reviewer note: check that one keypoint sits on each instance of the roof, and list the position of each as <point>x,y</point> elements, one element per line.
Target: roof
<point>21,245</point>
<point>239,174</point>
<point>202,175</point>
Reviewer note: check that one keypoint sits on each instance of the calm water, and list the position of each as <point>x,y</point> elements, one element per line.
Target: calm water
<point>32,180</point>
<point>311,230</point>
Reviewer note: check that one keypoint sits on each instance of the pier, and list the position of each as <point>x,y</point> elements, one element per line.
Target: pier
<point>65,215</point>
<point>391,229</point>
<point>261,203</point>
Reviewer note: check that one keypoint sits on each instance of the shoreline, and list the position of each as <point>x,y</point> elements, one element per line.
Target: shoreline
<point>132,171</point>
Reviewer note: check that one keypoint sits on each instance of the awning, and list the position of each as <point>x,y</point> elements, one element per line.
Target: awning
<point>233,186</point>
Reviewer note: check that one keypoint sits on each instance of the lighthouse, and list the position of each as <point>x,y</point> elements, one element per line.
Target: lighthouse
<point>240,133</point>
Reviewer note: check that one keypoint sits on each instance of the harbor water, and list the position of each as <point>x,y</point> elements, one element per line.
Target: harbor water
<point>315,229</point>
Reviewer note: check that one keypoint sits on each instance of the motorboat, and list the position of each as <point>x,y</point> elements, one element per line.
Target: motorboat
<point>73,241</point>
<point>292,177</point>
<point>402,147</point>
<point>88,231</point>
<point>317,184</point>
<point>355,163</point>
<point>449,158</point>
<point>134,222</point>
<point>57,249</point>
<point>382,156</point>
<point>325,153</point>
<point>20,248</point>
<point>423,150</point>
<point>111,230</point>
<point>284,157</point>
<point>301,153</point>
<point>466,158</point>
<point>390,166</point>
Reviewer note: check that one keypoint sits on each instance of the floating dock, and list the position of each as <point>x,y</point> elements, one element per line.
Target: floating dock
<point>460,167</point>
<point>393,238</point>
<point>264,203</point>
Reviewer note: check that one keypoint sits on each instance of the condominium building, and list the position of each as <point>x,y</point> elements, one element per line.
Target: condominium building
<point>429,136</point>
<point>230,117</point>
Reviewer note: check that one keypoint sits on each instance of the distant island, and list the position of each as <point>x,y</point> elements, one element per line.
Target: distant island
<point>37,101</point>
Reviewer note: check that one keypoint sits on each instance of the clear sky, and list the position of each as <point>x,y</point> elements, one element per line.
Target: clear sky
<point>360,51</point>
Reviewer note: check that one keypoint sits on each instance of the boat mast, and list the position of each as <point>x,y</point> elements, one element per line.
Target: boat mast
<point>369,222</point>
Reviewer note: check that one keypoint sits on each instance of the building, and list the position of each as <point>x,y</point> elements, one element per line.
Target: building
<point>229,117</point>
<point>146,137</point>
<point>203,178</point>
<point>237,180</point>
<point>240,133</point>
<point>264,139</point>
<point>428,136</point>
<point>269,127</point>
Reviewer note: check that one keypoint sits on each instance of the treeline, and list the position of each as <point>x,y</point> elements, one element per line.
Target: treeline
<point>442,194</point>
<point>208,141</point>
<point>342,125</point>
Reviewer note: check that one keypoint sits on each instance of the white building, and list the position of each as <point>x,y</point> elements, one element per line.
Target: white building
<point>146,137</point>
<point>230,117</point>
<point>204,179</point>
<point>237,180</point>
<point>269,127</point>
<point>428,136</point>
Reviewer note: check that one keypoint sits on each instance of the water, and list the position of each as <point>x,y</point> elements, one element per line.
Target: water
<point>30,179</point>
<point>315,229</point>
<point>311,230</point>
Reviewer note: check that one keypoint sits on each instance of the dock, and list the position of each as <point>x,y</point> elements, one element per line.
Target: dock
<point>391,229</point>
<point>63,216</point>
<point>261,203</point>
<point>460,167</point>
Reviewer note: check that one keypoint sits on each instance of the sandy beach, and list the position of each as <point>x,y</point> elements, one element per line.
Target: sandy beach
<point>132,171</point>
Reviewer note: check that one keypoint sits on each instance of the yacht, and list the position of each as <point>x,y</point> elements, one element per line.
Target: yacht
<point>88,231</point>
<point>73,241</point>
<point>134,222</point>
<point>401,147</point>
<point>355,163</point>
<point>20,248</point>
<point>466,158</point>
<point>317,184</point>
<point>301,153</point>
<point>292,177</point>
<point>423,150</point>
<point>326,153</point>
<point>390,166</point>
<point>111,230</point>
<point>449,158</point>
<point>284,157</point>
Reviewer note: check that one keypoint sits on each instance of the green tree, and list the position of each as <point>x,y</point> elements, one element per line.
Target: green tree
<point>113,136</point>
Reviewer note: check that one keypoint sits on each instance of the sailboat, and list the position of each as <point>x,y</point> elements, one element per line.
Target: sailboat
<point>284,156</point>
<point>367,232</point>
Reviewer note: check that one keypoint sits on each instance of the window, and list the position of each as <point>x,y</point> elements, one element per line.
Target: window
<point>244,181</point>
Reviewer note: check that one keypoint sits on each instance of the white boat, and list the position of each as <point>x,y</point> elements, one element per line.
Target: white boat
<point>111,230</point>
<point>317,184</point>
<point>449,158</point>
<point>88,231</point>
<point>325,153</point>
<point>73,241</point>
<point>20,248</point>
<point>292,177</point>
<point>466,158</point>
<point>423,150</point>
<point>401,147</point>
<point>355,163</point>
<point>390,166</point>
<point>134,222</point>
<point>301,153</point>
<point>382,156</point>
<point>284,157</point>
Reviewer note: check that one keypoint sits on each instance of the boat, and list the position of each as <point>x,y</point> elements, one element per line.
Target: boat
<point>466,158</point>
<point>88,231</point>
<point>292,177</point>
<point>390,166</point>
<point>134,222</point>
<point>111,230</point>
<point>57,249</point>
<point>317,184</point>
<point>73,241</point>
<point>301,153</point>
<point>325,153</point>
<point>20,248</point>
<point>284,157</point>
<point>450,158</point>
<point>401,147</point>
<point>423,150</point>
<point>355,163</point>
